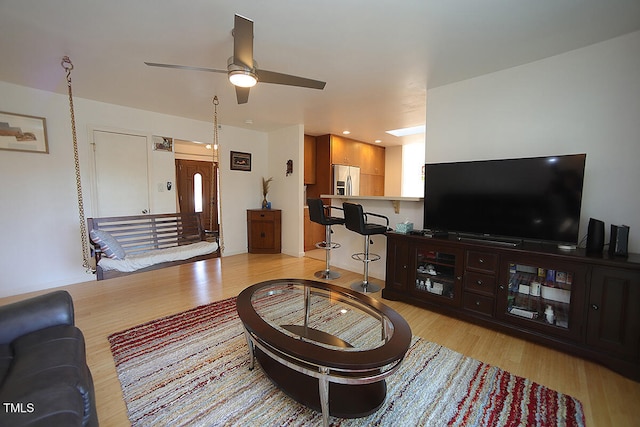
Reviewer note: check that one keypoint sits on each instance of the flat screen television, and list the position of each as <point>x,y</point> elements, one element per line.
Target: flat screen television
<point>536,199</point>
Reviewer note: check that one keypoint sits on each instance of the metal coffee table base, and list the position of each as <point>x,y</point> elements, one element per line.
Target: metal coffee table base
<point>351,396</point>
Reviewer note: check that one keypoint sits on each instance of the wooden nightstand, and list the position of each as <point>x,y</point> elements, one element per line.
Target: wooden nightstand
<point>264,231</point>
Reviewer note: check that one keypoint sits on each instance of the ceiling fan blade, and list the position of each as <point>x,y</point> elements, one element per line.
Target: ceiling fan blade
<point>265,76</point>
<point>242,93</point>
<point>185,67</point>
<point>243,42</point>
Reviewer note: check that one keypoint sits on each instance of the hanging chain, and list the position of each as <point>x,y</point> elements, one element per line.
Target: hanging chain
<point>216,169</point>
<point>214,151</point>
<point>68,66</point>
<point>215,129</point>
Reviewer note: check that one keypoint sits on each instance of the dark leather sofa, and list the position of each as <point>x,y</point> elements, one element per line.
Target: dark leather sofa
<point>44,377</point>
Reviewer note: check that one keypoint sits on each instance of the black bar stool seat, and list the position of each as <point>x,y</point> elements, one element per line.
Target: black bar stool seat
<point>356,221</point>
<point>321,214</point>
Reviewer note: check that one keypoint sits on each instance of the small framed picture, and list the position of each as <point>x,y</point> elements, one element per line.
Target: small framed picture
<point>240,161</point>
<point>162,143</point>
<point>19,132</point>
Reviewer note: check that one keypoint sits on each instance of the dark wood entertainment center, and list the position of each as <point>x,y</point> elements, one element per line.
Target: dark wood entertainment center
<point>584,305</point>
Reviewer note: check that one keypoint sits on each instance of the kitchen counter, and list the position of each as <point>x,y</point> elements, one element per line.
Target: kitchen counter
<point>395,200</point>
<point>412,208</point>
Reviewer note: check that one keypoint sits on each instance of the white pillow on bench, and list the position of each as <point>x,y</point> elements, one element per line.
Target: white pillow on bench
<point>139,261</point>
<point>108,245</point>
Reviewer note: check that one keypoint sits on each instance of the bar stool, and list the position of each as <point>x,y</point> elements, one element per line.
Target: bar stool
<point>356,220</point>
<point>317,214</point>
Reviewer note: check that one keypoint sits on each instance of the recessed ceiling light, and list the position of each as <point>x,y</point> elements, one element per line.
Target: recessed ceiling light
<point>414,130</point>
<point>346,132</point>
<point>378,141</point>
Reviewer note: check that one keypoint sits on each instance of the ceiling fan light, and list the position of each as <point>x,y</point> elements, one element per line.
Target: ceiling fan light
<point>242,78</point>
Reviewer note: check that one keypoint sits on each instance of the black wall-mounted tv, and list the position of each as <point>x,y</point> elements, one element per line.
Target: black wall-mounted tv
<point>536,199</point>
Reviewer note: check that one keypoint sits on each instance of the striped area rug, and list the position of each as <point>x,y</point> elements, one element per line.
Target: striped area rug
<point>192,369</point>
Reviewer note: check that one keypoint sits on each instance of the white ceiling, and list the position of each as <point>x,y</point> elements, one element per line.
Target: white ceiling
<point>378,57</point>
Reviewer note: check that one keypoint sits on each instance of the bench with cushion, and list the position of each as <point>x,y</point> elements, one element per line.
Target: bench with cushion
<point>129,244</point>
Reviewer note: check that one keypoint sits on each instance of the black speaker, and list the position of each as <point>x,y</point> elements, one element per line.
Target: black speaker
<point>595,236</point>
<point>619,241</point>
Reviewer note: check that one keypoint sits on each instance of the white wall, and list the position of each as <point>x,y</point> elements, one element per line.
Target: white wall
<point>39,248</point>
<point>240,190</point>
<point>287,192</point>
<point>583,101</point>
<point>413,169</point>
<point>39,221</point>
<point>406,180</point>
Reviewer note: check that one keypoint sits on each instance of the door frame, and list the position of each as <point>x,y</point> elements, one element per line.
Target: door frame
<point>214,205</point>
<point>184,150</point>
<point>93,167</point>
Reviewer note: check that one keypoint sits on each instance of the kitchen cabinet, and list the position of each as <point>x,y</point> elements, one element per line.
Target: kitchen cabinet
<point>333,149</point>
<point>372,160</point>
<point>309,159</point>
<point>371,185</point>
<point>313,232</point>
<point>345,151</point>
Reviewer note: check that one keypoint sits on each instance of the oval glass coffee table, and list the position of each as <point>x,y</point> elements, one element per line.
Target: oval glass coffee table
<point>328,347</point>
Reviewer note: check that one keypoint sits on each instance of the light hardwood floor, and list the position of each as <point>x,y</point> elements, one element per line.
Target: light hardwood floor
<point>105,307</point>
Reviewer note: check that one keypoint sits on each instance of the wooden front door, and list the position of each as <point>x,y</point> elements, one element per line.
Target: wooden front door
<point>198,190</point>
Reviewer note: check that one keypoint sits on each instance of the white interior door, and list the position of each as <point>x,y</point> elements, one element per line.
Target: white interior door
<point>122,180</point>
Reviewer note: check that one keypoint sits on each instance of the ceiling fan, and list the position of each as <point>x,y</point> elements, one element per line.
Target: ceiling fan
<point>243,70</point>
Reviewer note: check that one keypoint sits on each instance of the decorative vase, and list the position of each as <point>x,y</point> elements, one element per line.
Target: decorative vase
<point>265,190</point>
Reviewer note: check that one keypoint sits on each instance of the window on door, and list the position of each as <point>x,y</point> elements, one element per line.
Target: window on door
<point>197,192</point>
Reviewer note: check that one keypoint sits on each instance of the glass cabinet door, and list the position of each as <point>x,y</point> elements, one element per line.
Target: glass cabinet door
<point>438,274</point>
<point>541,296</point>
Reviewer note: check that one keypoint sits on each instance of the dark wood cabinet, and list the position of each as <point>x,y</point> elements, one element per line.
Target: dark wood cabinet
<point>613,321</point>
<point>542,293</point>
<point>397,263</point>
<point>436,273</point>
<point>584,305</point>
<point>264,231</point>
<point>480,282</point>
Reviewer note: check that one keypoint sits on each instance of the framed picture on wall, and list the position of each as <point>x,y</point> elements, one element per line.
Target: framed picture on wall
<point>240,161</point>
<point>162,143</point>
<point>23,133</point>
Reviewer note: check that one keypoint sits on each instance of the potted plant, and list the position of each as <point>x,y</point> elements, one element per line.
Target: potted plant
<point>265,190</point>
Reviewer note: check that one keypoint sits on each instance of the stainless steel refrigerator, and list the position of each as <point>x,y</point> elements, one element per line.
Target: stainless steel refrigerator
<point>346,180</point>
